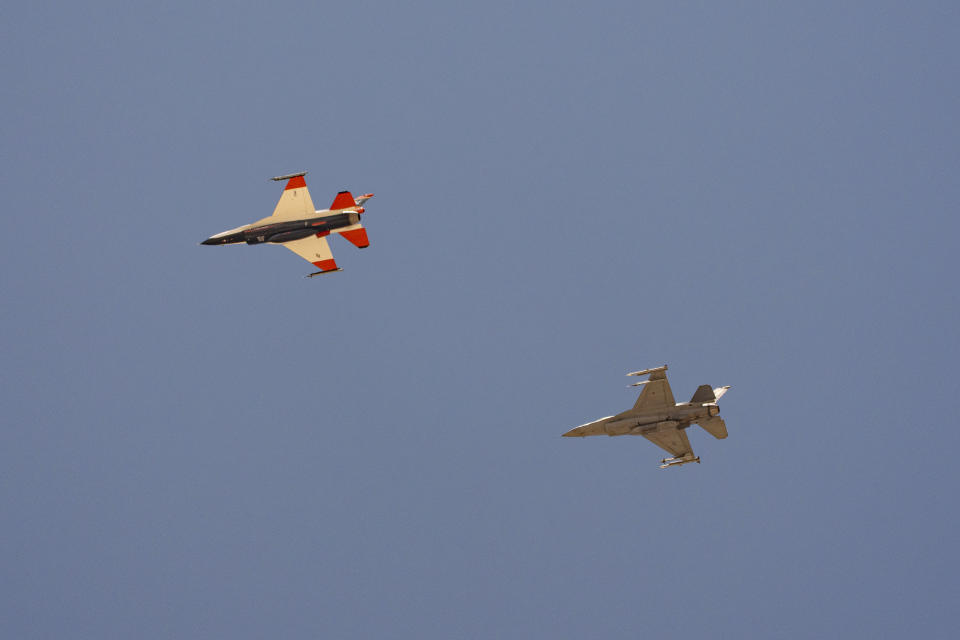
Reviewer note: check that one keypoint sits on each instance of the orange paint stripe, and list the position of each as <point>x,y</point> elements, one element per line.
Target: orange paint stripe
<point>326,265</point>
<point>357,237</point>
<point>343,200</point>
<point>295,183</point>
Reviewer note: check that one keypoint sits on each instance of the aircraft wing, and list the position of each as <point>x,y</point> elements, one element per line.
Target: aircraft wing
<point>656,393</point>
<point>314,250</point>
<point>674,441</point>
<point>295,202</point>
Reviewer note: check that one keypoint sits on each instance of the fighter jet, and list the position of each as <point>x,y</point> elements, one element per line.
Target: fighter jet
<point>298,227</point>
<point>656,417</point>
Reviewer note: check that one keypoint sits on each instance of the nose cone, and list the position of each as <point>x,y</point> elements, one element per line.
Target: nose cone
<point>227,237</point>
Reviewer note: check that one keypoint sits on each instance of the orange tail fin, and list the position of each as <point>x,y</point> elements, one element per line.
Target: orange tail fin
<point>357,236</point>
<point>343,200</point>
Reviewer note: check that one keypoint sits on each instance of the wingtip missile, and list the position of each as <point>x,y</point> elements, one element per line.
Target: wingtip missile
<point>666,463</point>
<point>288,176</point>
<point>646,371</point>
<point>320,273</point>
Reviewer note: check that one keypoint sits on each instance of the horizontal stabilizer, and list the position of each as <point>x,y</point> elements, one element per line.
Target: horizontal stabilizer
<point>355,234</point>
<point>715,427</point>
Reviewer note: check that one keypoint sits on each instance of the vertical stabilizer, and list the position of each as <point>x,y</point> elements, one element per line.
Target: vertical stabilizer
<point>344,200</point>
<point>703,394</point>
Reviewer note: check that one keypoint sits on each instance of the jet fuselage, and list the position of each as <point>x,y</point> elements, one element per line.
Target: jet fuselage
<point>286,231</point>
<point>681,416</point>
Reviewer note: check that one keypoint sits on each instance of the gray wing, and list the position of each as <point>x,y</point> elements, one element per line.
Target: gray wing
<point>674,441</point>
<point>656,393</point>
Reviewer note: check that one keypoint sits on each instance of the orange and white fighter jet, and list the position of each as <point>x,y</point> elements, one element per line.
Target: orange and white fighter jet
<point>296,225</point>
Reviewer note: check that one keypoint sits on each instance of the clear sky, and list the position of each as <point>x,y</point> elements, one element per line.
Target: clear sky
<point>199,442</point>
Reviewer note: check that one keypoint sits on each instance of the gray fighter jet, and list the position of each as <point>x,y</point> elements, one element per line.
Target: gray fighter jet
<point>656,417</point>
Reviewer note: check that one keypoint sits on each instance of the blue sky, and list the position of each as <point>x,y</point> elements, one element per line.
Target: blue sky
<point>198,442</point>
